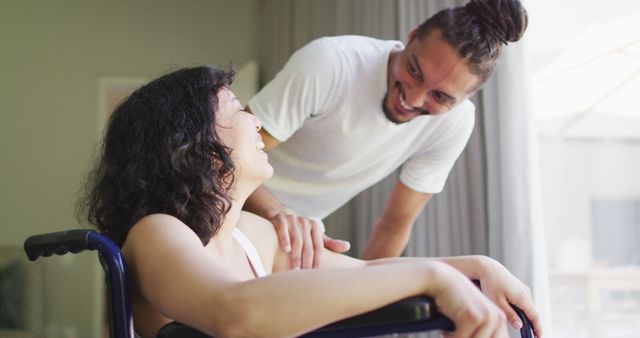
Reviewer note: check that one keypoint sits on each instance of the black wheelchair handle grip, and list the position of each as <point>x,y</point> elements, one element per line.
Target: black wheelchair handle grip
<point>58,243</point>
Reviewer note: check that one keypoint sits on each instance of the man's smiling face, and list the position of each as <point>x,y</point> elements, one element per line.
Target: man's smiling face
<point>426,78</point>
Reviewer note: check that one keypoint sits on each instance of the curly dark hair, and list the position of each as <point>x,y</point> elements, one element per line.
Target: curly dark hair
<point>161,154</point>
<point>478,30</point>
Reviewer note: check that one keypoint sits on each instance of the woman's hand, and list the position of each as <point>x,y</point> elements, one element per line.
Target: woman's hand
<point>461,301</point>
<point>503,288</point>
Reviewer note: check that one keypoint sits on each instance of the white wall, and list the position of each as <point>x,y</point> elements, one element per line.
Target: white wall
<point>52,55</point>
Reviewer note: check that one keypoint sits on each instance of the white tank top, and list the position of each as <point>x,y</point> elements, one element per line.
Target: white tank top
<point>251,252</point>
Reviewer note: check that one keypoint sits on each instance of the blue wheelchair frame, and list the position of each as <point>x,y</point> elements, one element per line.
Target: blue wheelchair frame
<point>416,314</point>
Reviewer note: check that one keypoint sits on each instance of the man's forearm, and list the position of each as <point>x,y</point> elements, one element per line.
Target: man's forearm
<point>392,230</point>
<point>387,240</point>
<point>263,203</point>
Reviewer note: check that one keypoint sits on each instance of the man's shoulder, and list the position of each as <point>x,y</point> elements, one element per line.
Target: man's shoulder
<point>464,107</point>
<point>458,122</point>
<point>464,113</point>
<point>350,39</point>
<point>353,43</point>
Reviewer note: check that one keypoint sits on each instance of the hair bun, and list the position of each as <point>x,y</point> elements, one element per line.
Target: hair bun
<point>504,20</point>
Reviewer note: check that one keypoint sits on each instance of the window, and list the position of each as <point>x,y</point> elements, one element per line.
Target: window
<point>586,82</point>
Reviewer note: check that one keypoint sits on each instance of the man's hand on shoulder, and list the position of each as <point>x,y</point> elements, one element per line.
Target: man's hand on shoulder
<point>304,239</point>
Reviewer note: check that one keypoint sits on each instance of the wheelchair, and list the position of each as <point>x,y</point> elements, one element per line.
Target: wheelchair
<point>415,314</point>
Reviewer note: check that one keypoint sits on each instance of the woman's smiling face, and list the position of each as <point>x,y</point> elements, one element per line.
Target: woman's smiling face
<point>238,130</point>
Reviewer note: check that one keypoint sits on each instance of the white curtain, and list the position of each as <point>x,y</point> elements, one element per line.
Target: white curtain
<point>514,201</point>
<point>286,25</point>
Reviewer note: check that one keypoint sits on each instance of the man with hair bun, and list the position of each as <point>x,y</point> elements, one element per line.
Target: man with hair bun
<point>346,111</point>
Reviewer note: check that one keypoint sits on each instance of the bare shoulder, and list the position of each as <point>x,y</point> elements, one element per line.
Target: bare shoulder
<point>258,229</point>
<point>172,272</point>
<point>262,234</point>
<point>158,226</point>
<point>159,233</point>
<point>255,226</point>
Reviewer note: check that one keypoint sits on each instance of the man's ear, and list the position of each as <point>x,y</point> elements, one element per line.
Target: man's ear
<point>412,35</point>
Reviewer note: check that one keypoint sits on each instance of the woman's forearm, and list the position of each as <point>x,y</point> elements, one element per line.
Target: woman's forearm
<point>469,266</point>
<point>297,302</point>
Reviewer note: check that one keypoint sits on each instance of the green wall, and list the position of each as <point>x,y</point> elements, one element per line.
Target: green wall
<point>52,55</point>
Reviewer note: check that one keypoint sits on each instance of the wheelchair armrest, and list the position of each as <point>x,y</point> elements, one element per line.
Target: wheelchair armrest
<point>178,330</point>
<point>416,314</point>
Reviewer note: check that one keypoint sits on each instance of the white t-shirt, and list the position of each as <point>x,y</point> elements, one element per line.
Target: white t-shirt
<point>325,106</point>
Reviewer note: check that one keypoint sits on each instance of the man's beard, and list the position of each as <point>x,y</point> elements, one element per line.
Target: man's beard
<point>392,118</point>
<point>387,112</point>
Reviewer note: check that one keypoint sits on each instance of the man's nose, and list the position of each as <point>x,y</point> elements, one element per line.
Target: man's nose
<point>415,97</point>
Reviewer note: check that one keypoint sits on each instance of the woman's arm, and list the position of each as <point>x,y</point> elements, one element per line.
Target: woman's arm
<point>498,284</point>
<point>180,278</point>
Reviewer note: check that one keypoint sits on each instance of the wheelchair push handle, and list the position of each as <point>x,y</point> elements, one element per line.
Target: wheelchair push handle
<point>58,243</point>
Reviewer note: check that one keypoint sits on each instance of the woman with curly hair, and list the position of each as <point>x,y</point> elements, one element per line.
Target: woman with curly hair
<point>179,159</point>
